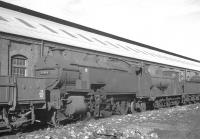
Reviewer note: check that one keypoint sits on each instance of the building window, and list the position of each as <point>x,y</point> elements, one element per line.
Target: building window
<point>18,65</point>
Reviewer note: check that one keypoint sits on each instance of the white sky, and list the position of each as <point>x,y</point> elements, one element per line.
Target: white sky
<point>172,25</point>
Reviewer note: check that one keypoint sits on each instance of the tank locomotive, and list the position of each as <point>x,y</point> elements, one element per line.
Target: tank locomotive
<point>72,87</point>
<point>100,86</point>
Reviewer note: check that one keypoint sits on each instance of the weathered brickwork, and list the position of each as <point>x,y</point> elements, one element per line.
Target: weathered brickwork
<point>30,51</point>
<point>10,48</point>
<point>4,56</point>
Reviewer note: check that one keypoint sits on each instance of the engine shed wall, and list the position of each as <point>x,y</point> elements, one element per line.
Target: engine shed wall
<point>4,56</point>
<point>10,48</point>
<point>32,49</point>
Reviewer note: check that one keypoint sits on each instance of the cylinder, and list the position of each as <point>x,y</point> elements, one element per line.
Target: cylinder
<point>77,105</point>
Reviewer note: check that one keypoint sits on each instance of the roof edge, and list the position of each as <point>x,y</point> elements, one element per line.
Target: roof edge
<point>75,25</point>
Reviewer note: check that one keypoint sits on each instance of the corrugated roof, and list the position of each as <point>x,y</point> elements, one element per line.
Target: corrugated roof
<point>35,27</point>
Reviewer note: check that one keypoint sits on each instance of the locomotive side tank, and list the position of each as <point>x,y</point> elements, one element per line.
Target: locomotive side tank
<point>164,82</point>
<point>79,83</point>
<point>113,81</point>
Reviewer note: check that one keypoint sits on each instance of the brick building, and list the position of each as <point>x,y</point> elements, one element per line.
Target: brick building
<point>27,35</point>
<point>18,55</point>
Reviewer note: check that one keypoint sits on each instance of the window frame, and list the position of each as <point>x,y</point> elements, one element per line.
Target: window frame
<point>18,65</point>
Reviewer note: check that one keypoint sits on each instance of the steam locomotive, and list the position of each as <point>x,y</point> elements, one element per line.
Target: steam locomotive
<point>65,89</point>
<point>72,82</point>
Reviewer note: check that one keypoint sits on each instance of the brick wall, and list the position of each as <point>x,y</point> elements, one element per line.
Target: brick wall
<point>30,51</point>
<point>10,47</point>
<point>4,56</point>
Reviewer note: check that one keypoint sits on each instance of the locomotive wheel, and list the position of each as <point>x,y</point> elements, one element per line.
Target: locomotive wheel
<point>88,115</point>
<point>168,103</point>
<point>133,107</point>
<point>123,108</point>
<point>143,107</point>
<point>97,111</point>
<point>85,116</point>
<point>105,113</point>
<point>183,102</point>
<point>54,119</point>
<point>156,104</point>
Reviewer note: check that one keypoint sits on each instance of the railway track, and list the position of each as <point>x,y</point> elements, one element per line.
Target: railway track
<point>141,123</point>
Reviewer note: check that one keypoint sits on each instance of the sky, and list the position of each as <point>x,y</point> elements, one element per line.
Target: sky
<point>172,25</point>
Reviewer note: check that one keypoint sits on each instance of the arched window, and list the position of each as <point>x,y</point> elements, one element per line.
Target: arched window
<point>18,65</point>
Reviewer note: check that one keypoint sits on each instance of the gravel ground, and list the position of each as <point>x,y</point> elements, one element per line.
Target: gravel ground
<point>171,123</point>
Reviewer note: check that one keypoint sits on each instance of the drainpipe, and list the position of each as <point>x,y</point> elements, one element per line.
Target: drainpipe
<point>42,49</point>
<point>9,59</point>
